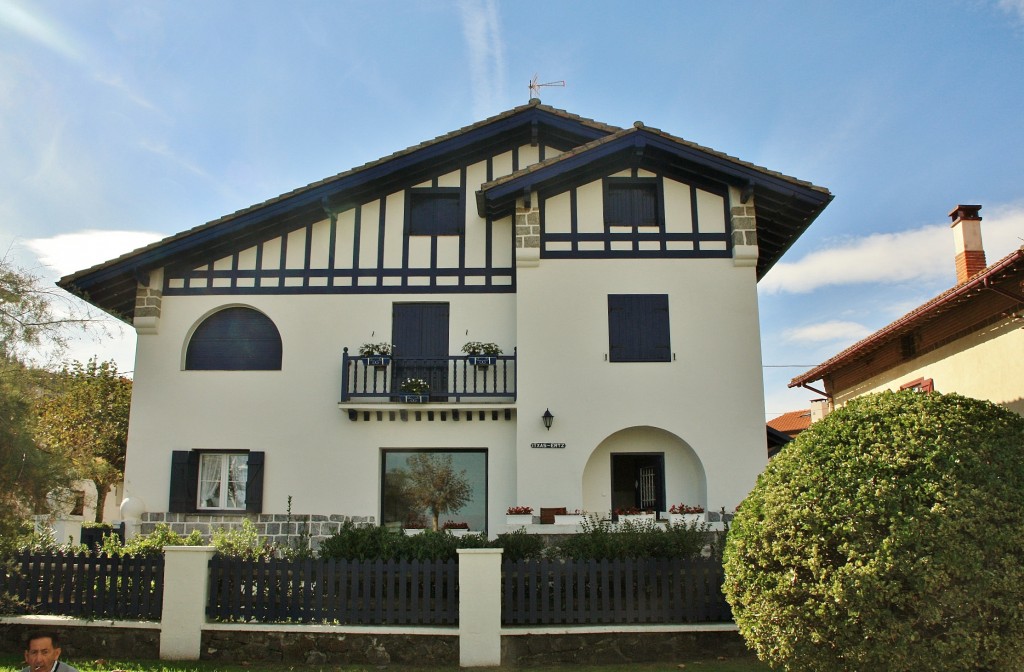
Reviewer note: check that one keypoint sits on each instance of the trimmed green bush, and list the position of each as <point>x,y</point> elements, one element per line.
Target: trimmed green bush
<point>888,536</point>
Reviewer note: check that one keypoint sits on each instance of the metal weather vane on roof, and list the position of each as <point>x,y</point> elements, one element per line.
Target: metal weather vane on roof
<point>535,87</point>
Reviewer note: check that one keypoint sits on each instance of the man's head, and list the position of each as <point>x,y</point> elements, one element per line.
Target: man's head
<point>42,649</point>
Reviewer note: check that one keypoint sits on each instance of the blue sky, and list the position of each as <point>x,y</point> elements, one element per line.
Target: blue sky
<point>124,122</point>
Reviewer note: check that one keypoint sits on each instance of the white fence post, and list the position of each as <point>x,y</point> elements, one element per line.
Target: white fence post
<point>479,607</point>
<point>186,585</point>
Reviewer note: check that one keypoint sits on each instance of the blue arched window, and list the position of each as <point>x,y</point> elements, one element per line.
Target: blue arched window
<point>235,339</point>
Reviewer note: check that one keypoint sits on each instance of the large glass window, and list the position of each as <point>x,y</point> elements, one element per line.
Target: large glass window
<point>419,484</point>
<point>235,339</point>
<point>222,479</point>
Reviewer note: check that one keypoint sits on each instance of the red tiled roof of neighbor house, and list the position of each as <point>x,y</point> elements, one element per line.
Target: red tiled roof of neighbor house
<point>792,423</point>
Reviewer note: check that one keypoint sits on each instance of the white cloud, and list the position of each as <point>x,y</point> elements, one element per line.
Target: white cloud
<point>70,252</point>
<point>833,330</point>
<point>923,254</point>
<point>482,31</point>
<point>1012,7</point>
<point>38,30</point>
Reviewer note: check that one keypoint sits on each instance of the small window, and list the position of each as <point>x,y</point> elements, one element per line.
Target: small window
<point>216,481</point>
<point>919,385</point>
<point>435,212</point>
<point>638,328</point>
<point>235,339</point>
<point>631,202</point>
<point>222,481</point>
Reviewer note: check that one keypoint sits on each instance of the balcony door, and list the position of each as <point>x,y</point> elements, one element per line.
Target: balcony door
<point>420,337</point>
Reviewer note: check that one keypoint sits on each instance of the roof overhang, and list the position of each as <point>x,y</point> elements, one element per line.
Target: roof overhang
<point>785,206</point>
<point>1003,277</point>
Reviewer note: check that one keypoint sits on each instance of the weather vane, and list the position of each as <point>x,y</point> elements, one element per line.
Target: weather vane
<point>535,87</point>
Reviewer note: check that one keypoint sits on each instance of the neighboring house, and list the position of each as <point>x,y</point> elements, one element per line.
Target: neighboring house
<point>968,340</point>
<point>792,423</point>
<point>615,268</point>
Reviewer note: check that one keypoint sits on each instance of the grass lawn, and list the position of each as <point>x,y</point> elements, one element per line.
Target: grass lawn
<point>14,664</point>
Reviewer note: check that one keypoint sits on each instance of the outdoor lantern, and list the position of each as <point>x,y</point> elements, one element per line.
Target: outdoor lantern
<point>547,418</point>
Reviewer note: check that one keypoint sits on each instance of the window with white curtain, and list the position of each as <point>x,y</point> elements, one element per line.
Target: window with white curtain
<point>222,480</point>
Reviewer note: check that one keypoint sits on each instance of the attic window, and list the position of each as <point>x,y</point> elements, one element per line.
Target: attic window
<point>632,201</point>
<point>435,212</point>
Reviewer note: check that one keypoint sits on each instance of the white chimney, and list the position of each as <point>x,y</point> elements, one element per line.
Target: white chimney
<point>819,409</point>
<point>970,252</point>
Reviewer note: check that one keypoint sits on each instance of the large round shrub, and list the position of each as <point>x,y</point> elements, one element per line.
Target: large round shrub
<point>889,536</point>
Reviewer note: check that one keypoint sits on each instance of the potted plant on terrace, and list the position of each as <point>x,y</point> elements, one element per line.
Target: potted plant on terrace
<point>414,390</point>
<point>520,515</point>
<point>575,517</point>
<point>683,513</point>
<point>377,355</point>
<point>480,354</point>
<point>634,515</point>
<point>456,528</point>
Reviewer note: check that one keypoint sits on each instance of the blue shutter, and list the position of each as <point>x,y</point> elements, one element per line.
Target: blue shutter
<point>435,212</point>
<point>235,339</point>
<point>184,481</point>
<point>254,482</point>
<point>638,328</point>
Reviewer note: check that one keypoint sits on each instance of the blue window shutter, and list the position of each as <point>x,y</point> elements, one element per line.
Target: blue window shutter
<point>638,328</point>
<point>435,212</point>
<point>235,339</point>
<point>184,481</point>
<point>254,482</point>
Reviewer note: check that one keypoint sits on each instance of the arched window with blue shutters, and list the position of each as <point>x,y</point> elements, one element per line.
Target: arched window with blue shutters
<point>235,339</point>
<point>638,328</point>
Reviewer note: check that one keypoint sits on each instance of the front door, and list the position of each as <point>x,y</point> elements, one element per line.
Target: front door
<point>420,337</point>
<point>638,481</point>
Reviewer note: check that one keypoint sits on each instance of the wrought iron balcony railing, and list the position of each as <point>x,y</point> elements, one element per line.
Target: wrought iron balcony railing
<point>450,379</point>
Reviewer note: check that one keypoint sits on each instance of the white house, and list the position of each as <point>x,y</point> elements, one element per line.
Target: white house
<point>615,268</point>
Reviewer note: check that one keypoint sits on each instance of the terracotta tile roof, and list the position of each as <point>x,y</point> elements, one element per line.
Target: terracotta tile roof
<point>1010,264</point>
<point>792,423</point>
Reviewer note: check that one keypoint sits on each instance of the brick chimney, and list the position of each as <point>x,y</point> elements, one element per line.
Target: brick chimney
<point>970,253</point>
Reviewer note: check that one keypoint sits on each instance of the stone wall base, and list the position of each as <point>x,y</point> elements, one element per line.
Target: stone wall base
<point>321,648</point>
<point>82,642</point>
<point>609,648</point>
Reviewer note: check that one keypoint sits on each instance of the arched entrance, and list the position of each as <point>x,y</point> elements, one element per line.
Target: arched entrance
<point>643,467</point>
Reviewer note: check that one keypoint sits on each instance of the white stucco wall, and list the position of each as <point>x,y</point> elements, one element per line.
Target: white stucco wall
<point>710,396</point>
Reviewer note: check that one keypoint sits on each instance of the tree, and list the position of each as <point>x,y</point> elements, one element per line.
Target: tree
<point>889,536</point>
<point>31,317</point>
<point>434,484</point>
<point>86,423</point>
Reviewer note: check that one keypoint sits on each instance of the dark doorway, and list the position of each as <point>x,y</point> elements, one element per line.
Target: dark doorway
<point>420,337</point>
<point>638,481</point>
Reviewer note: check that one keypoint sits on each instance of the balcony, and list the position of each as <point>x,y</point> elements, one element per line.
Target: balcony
<point>455,379</point>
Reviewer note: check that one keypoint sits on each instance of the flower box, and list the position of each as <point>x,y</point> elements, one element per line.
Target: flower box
<point>481,361</point>
<point>520,519</point>
<point>686,518</point>
<point>569,518</point>
<point>376,361</point>
<point>412,531</point>
<point>414,398</point>
<point>460,532</point>
<point>636,517</point>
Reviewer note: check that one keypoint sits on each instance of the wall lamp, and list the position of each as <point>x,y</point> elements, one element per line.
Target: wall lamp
<point>547,418</point>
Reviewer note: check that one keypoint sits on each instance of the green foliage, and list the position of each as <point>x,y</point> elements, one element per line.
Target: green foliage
<point>888,536</point>
<point>86,423</point>
<point>43,540</point>
<point>603,539</point>
<point>150,544</point>
<point>519,545</point>
<point>360,542</point>
<point>242,542</point>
